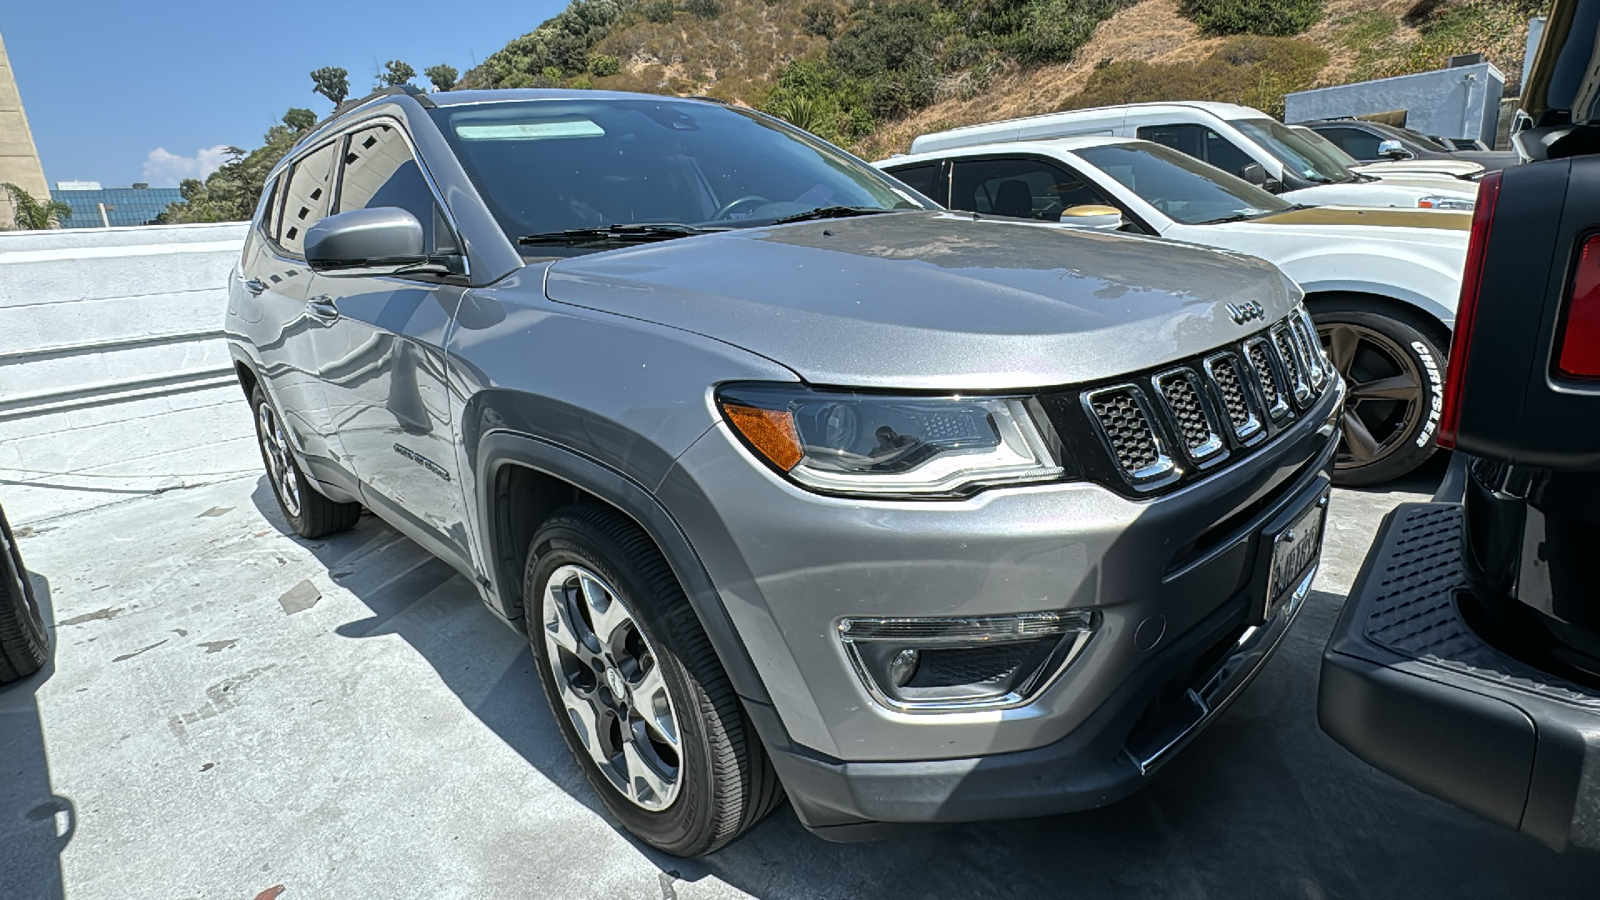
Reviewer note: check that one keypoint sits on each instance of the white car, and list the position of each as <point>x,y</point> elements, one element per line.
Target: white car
<point>1236,139</point>
<point>1381,284</point>
<point>1448,174</point>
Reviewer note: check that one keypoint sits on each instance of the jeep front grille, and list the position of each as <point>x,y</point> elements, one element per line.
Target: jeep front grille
<point>1165,427</point>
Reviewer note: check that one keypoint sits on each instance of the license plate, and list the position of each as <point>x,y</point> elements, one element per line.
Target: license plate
<point>1295,550</point>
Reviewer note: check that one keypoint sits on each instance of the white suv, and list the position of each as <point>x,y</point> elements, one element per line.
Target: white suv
<point>1236,139</point>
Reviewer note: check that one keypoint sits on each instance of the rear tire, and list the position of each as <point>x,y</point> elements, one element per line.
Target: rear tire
<point>1394,369</point>
<point>625,665</point>
<point>24,646</point>
<point>306,509</point>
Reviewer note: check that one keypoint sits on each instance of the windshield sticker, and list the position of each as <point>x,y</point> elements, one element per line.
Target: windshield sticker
<point>524,131</point>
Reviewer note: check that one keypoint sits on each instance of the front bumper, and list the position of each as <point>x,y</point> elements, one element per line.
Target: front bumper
<point>1189,567</point>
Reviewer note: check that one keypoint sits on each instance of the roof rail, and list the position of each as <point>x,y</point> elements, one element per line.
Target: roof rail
<point>409,90</point>
<point>706,99</point>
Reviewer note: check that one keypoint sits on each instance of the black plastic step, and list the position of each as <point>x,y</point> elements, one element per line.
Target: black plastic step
<point>1409,687</point>
<point>1413,605</point>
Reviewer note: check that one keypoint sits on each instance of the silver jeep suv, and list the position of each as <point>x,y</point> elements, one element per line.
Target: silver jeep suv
<point>797,483</point>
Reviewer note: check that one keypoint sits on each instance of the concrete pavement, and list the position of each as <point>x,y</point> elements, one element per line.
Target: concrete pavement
<point>232,711</point>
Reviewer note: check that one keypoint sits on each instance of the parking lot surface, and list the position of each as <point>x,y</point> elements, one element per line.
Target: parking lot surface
<point>236,713</point>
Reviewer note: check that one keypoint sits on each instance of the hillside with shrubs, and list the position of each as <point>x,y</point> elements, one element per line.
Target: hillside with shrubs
<point>872,74</point>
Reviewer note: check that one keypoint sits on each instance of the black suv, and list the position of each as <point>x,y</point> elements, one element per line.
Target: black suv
<point>1467,659</point>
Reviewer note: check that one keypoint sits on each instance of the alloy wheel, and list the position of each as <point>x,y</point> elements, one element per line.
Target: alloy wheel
<point>1386,393</point>
<point>610,682</point>
<point>280,466</point>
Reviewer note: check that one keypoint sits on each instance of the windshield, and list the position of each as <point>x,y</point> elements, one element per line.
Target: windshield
<point>1298,155</point>
<point>1182,187</point>
<point>545,167</point>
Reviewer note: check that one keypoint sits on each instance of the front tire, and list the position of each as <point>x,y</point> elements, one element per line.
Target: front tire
<point>24,646</point>
<point>1394,370</point>
<point>636,688</point>
<point>307,510</point>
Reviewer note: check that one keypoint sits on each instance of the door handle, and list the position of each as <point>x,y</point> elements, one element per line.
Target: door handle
<point>255,286</point>
<point>323,308</point>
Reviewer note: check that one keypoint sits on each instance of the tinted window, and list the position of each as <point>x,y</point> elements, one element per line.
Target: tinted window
<point>924,179</point>
<point>545,166</point>
<point>1354,141</point>
<point>1199,142</point>
<point>1183,188</point>
<point>1020,187</point>
<point>380,170</point>
<point>307,197</point>
<point>1298,153</point>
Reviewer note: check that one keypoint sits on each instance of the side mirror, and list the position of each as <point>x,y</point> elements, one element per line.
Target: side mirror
<point>1093,215</point>
<point>1393,150</point>
<point>1255,173</point>
<point>379,241</point>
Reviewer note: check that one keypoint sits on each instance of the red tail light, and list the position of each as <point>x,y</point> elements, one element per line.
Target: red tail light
<point>1467,309</point>
<point>1580,341</point>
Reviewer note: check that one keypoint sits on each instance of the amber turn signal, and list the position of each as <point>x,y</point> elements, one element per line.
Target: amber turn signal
<point>770,431</point>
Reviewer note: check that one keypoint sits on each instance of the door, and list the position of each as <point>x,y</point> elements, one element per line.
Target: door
<point>381,359</point>
<point>278,285</point>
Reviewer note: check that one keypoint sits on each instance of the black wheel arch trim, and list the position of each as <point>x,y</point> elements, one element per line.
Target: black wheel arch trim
<point>499,449</point>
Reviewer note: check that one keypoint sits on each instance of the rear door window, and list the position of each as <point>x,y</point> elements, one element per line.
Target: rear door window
<point>1200,142</point>
<point>1020,187</point>
<point>925,179</point>
<point>307,197</point>
<point>1361,144</point>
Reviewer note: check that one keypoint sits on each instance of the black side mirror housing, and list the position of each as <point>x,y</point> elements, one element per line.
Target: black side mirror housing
<point>381,241</point>
<point>1254,173</point>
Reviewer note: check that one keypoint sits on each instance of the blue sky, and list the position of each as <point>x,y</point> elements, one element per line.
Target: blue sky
<point>119,91</point>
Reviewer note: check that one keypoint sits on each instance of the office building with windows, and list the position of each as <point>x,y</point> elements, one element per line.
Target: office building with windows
<point>94,206</point>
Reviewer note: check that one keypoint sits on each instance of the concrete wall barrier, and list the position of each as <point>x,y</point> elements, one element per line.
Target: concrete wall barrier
<point>114,379</point>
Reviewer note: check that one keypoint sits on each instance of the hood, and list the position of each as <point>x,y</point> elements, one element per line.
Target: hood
<point>1383,233</point>
<point>1376,193</point>
<point>934,300</point>
<point>1450,226</point>
<point>1450,168</point>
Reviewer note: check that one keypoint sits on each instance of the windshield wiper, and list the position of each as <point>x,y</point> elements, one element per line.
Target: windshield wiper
<point>831,212</point>
<point>1246,215</point>
<point>622,231</point>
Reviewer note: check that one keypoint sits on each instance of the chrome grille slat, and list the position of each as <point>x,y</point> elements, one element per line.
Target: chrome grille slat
<point>1128,426</point>
<point>1267,379</point>
<point>1197,428</point>
<point>1227,377</point>
<point>1283,341</point>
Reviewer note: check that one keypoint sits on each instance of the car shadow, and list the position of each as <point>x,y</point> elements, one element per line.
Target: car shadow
<point>1262,804</point>
<point>36,824</point>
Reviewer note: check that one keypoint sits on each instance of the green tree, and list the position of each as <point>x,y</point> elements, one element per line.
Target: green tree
<point>29,214</point>
<point>300,119</point>
<point>442,77</point>
<point>705,9</point>
<point>331,82</point>
<point>395,73</point>
<point>601,65</point>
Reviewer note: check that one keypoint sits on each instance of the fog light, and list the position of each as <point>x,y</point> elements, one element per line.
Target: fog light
<point>964,663</point>
<point>903,667</point>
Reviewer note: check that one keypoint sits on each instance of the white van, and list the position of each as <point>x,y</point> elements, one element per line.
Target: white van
<point>1237,139</point>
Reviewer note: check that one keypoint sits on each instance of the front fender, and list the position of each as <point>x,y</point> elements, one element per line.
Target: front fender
<point>1430,286</point>
<point>499,449</point>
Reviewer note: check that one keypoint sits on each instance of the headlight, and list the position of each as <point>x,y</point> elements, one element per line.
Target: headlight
<point>887,445</point>
<point>1445,203</point>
